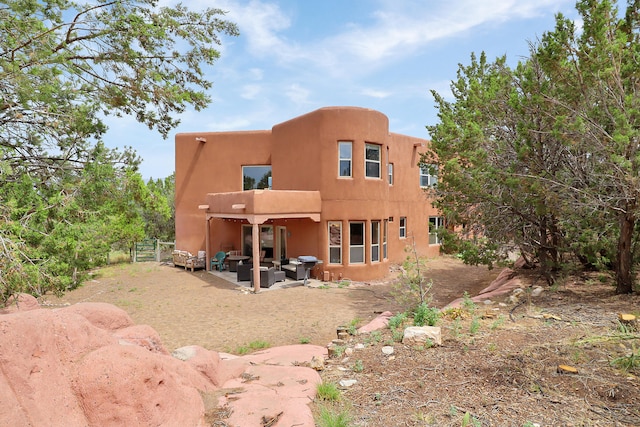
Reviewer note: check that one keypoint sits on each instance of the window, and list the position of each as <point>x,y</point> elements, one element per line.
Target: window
<point>375,241</point>
<point>428,175</point>
<point>344,159</point>
<point>403,227</point>
<point>435,223</point>
<point>335,242</point>
<point>372,160</point>
<point>390,173</point>
<point>356,242</point>
<point>385,228</point>
<point>256,177</point>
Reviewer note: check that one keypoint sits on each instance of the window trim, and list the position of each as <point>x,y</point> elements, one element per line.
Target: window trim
<point>330,246</point>
<point>432,180</point>
<point>373,239</point>
<point>385,238</point>
<point>367,161</point>
<point>257,166</point>
<point>362,246</point>
<point>438,223</point>
<point>402,227</point>
<point>349,159</point>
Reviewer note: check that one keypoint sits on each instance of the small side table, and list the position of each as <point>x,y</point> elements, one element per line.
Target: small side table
<point>277,265</point>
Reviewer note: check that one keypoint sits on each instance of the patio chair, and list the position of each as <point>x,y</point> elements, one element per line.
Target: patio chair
<point>218,261</point>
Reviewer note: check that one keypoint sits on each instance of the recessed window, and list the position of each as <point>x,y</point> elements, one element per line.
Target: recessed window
<point>356,242</point>
<point>390,173</point>
<point>372,160</point>
<point>385,229</point>
<point>435,223</point>
<point>256,177</point>
<point>335,242</point>
<point>375,241</point>
<point>428,175</point>
<point>403,227</point>
<point>344,158</point>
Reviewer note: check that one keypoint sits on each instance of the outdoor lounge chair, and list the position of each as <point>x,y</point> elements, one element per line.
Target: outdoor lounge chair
<point>294,269</point>
<point>267,277</point>
<point>218,261</point>
<point>243,272</point>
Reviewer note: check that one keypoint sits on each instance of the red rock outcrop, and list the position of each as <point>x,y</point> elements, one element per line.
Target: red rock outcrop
<point>89,365</point>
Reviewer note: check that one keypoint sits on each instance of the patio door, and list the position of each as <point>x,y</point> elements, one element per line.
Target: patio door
<point>266,240</point>
<point>281,243</point>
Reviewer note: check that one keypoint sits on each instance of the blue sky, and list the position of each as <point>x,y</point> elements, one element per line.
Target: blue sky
<point>295,56</point>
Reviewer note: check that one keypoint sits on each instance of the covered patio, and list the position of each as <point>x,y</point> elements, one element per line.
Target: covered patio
<point>256,207</point>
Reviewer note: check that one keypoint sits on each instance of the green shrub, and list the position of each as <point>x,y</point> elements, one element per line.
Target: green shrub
<point>396,321</point>
<point>330,417</point>
<point>328,392</point>
<point>425,315</point>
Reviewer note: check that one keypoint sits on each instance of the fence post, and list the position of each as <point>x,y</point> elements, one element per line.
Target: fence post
<point>157,250</point>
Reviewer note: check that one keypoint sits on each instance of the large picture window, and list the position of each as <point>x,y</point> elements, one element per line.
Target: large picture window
<point>435,223</point>
<point>356,242</point>
<point>375,241</point>
<point>372,161</point>
<point>403,227</point>
<point>428,175</point>
<point>344,158</point>
<point>335,242</point>
<point>256,177</point>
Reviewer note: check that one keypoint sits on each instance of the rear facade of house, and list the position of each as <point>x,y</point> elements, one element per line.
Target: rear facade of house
<point>333,184</point>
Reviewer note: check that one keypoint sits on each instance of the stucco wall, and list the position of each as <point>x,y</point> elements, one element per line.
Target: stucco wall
<point>303,153</point>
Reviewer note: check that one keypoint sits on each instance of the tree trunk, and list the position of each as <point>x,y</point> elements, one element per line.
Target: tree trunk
<point>624,257</point>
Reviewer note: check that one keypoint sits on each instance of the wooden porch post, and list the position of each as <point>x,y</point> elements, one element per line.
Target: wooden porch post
<point>255,235</point>
<point>207,230</point>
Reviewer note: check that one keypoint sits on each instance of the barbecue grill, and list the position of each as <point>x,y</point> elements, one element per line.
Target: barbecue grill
<point>309,262</point>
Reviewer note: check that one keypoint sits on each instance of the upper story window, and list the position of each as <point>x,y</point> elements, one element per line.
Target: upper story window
<point>403,227</point>
<point>256,177</point>
<point>390,173</point>
<point>428,175</point>
<point>344,158</point>
<point>372,160</point>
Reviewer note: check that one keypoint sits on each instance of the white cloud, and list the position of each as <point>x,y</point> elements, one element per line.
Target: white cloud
<point>374,93</point>
<point>297,94</point>
<point>250,91</point>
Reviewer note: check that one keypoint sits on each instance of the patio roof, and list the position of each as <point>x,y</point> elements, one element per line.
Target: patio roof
<point>257,206</point>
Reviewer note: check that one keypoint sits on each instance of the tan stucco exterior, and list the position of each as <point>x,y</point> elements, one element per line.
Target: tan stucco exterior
<point>306,192</point>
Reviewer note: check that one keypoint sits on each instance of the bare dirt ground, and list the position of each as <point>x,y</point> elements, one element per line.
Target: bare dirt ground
<point>497,365</point>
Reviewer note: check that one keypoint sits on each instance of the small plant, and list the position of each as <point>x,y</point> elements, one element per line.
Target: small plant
<point>338,350</point>
<point>330,417</point>
<point>358,366</point>
<point>455,327</point>
<point>425,315</point>
<point>328,392</point>
<point>374,337</point>
<point>258,345</point>
<point>467,303</point>
<point>397,321</point>
<point>344,284</point>
<point>497,323</point>
<point>627,363</point>
<point>305,340</point>
<point>474,327</point>
<point>353,326</point>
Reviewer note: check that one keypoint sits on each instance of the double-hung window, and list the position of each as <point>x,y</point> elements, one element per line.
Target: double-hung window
<point>435,223</point>
<point>375,241</point>
<point>356,242</point>
<point>385,228</point>
<point>403,227</point>
<point>335,242</point>
<point>344,158</point>
<point>428,175</point>
<point>390,173</point>
<point>372,160</point>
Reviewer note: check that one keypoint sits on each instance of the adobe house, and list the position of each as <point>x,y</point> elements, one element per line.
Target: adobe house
<point>334,184</point>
